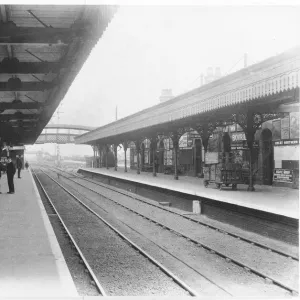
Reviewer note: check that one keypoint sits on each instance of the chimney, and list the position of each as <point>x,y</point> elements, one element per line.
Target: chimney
<point>201,79</point>
<point>245,60</point>
<point>218,73</point>
<point>166,94</point>
<point>210,75</point>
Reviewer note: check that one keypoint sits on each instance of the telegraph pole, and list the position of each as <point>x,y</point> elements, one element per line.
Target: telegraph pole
<point>57,142</point>
<point>245,60</point>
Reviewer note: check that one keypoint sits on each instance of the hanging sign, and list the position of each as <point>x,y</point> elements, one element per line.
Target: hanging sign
<point>17,148</point>
<point>238,136</point>
<point>286,142</point>
<point>283,175</point>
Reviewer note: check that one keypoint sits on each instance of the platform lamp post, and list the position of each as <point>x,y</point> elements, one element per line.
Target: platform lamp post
<point>99,147</point>
<point>94,155</point>
<point>106,155</point>
<point>153,145</point>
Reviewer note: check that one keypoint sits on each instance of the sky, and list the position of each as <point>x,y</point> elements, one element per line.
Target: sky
<point>149,48</point>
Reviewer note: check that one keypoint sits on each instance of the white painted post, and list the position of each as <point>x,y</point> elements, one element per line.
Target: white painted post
<point>196,207</point>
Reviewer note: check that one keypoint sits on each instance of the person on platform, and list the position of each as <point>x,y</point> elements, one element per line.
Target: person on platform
<point>0,175</point>
<point>26,165</point>
<point>10,171</point>
<point>19,166</point>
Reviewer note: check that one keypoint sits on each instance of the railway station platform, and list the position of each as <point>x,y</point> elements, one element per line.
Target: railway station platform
<point>275,200</point>
<point>31,262</point>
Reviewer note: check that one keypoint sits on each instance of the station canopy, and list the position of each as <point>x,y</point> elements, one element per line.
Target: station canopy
<point>42,49</point>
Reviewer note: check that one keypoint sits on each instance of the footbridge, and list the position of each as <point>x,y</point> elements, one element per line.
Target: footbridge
<point>62,133</point>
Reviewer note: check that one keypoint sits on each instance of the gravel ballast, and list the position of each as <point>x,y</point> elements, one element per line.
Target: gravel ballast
<point>80,278</point>
<point>228,276</point>
<point>272,264</point>
<point>120,269</point>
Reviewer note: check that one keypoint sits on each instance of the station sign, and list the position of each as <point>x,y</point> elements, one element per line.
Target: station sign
<point>286,142</point>
<point>17,148</point>
<point>283,175</point>
<point>242,145</point>
<point>238,136</point>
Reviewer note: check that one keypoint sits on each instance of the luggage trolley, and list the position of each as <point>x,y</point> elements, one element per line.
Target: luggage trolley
<point>223,174</point>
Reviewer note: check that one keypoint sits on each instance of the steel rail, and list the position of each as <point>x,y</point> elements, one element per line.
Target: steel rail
<point>97,283</point>
<point>228,258</point>
<point>162,248</point>
<point>144,253</point>
<point>117,190</point>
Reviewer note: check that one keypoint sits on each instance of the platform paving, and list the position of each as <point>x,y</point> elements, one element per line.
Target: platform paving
<point>31,261</point>
<point>277,200</point>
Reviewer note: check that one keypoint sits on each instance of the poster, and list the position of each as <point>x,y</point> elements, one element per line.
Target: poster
<point>294,125</point>
<point>146,157</point>
<point>211,158</point>
<point>285,128</point>
<point>276,130</point>
<point>232,128</point>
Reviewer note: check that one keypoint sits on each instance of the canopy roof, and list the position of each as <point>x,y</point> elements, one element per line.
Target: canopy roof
<point>42,49</point>
<point>274,80</point>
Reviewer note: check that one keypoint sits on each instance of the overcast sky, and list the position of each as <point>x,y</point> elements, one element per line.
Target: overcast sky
<point>148,48</point>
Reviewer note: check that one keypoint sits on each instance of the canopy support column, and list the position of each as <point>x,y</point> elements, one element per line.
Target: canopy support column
<point>138,149</point>
<point>125,146</point>
<point>106,156</point>
<point>116,156</point>
<point>175,138</point>
<point>153,146</point>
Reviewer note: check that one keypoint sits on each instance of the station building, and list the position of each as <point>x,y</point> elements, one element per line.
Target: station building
<point>276,147</point>
<point>267,94</point>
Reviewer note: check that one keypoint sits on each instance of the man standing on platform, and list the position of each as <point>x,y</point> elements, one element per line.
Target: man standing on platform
<point>0,176</point>
<point>19,166</point>
<point>10,171</point>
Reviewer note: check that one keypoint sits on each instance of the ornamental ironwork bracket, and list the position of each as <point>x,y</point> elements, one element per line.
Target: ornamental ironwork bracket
<point>252,121</point>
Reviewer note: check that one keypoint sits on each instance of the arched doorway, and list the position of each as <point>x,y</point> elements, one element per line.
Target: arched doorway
<point>267,156</point>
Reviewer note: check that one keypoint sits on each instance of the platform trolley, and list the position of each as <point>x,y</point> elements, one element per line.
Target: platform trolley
<point>223,174</point>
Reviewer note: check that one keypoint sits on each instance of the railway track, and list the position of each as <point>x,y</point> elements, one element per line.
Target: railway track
<point>222,230</point>
<point>229,259</point>
<point>88,269</point>
<point>150,260</point>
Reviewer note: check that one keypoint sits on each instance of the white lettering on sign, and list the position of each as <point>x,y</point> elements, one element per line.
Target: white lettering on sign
<point>238,136</point>
<point>283,175</point>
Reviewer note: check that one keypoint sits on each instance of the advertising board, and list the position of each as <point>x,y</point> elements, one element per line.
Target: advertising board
<point>211,158</point>
<point>283,175</point>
